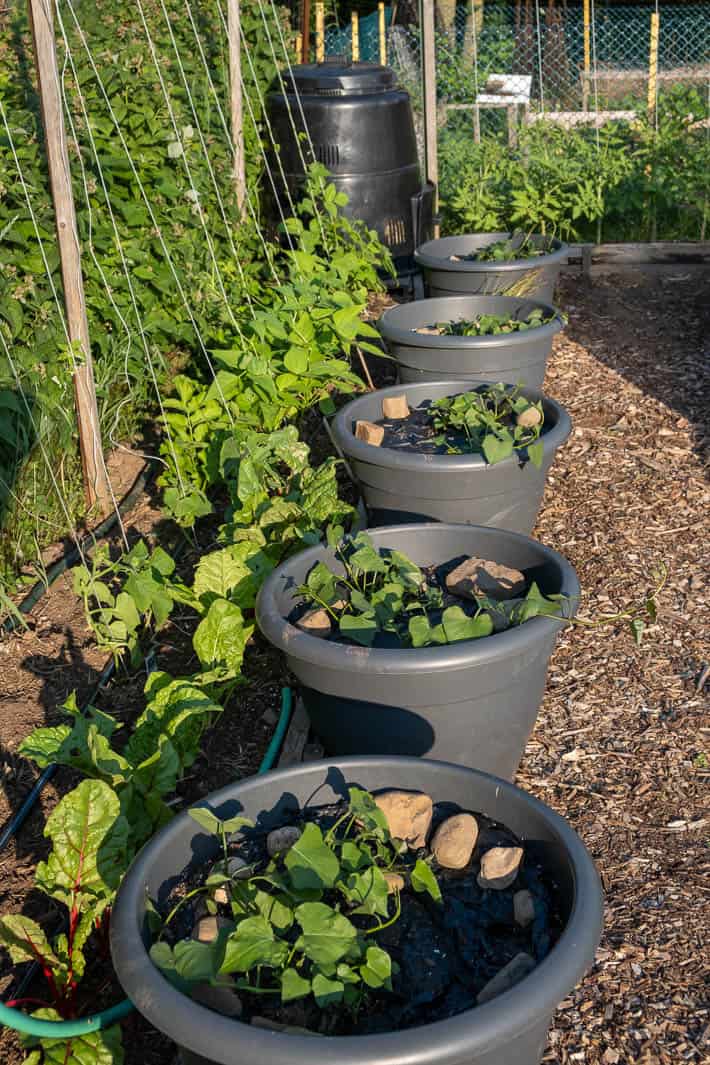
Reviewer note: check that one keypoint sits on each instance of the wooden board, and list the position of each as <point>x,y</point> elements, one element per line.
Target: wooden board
<point>666,253</point>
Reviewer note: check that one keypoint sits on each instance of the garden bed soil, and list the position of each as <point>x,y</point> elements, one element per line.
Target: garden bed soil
<point>447,953</point>
<point>622,742</point>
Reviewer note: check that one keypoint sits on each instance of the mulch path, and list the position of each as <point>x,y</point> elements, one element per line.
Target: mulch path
<point>622,743</point>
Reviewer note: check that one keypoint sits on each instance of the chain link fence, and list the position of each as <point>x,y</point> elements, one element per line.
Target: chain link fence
<point>538,54</point>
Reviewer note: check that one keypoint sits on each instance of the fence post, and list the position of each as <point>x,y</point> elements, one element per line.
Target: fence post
<point>431,160</point>
<point>96,485</point>
<point>306,32</point>
<point>235,96</point>
<point>355,34</point>
<point>653,64</point>
<point>320,31</point>
<point>587,56</point>
<point>382,33</point>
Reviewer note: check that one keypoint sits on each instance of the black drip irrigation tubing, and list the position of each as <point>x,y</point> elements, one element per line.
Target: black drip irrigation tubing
<point>12,622</point>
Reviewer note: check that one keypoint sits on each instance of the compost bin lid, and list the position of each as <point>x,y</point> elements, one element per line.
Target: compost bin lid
<point>337,77</point>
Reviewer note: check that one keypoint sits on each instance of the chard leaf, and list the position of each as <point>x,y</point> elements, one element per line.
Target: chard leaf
<point>24,940</point>
<point>220,639</point>
<point>89,853</point>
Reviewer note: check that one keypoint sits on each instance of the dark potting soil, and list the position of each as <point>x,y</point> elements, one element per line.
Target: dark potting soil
<point>445,952</point>
<point>435,577</point>
<point>416,433</point>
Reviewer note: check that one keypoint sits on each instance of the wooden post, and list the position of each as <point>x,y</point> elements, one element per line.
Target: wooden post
<point>320,31</point>
<point>96,485</point>
<point>355,33</point>
<point>383,33</point>
<point>235,97</point>
<point>587,54</point>
<point>306,32</point>
<point>431,159</point>
<point>653,64</point>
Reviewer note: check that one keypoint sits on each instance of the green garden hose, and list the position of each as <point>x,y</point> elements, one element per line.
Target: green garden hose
<point>13,1018</point>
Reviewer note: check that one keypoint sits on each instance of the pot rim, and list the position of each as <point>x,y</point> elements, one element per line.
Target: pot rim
<point>395,661</point>
<point>391,331</point>
<point>420,462</point>
<point>454,1039</point>
<point>425,256</point>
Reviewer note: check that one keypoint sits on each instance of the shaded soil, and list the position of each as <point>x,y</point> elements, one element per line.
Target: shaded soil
<point>622,743</point>
<point>443,954</point>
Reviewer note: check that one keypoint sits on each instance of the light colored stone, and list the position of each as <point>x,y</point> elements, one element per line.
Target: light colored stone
<point>523,908</point>
<point>395,882</point>
<point>369,433</point>
<point>222,999</point>
<point>207,929</point>
<point>395,407</point>
<point>499,867</point>
<point>479,576</point>
<point>510,975</point>
<point>408,815</point>
<point>454,840</point>
<point>429,330</point>
<point>282,839</point>
<point>529,417</point>
<point>315,623</point>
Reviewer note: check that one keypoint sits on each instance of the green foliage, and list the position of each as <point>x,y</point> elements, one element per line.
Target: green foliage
<point>293,931</point>
<point>495,421</point>
<point>621,182</point>
<point>517,246</point>
<point>493,324</point>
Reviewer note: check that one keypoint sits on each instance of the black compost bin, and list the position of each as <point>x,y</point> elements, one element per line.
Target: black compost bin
<point>360,126</point>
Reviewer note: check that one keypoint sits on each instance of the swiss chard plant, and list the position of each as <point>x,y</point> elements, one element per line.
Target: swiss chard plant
<point>305,923</point>
<point>496,422</point>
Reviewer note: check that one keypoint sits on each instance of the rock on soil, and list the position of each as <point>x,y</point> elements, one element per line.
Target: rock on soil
<point>499,867</point>
<point>454,840</point>
<point>282,839</point>
<point>523,908</point>
<point>408,814</point>
<point>369,433</point>
<point>479,576</point>
<point>315,623</point>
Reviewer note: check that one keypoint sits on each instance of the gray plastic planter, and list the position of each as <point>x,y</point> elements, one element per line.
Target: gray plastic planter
<point>509,1030</point>
<point>473,702</point>
<point>514,358</point>
<point>530,278</point>
<point>404,486</point>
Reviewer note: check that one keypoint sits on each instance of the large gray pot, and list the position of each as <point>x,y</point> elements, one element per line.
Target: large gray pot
<point>473,702</point>
<point>509,1030</point>
<point>514,358</point>
<point>531,278</point>
<point>404,486</point>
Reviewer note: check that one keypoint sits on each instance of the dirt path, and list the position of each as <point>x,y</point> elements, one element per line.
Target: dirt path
<point>622,745</point>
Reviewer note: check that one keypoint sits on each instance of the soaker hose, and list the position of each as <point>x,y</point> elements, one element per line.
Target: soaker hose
<point>35,1026</point>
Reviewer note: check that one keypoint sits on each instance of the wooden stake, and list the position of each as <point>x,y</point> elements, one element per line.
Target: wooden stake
<point>306,34</point>
<point>431,159</point>
<point>96,485</point>
<point>383,33</point>
<point>587,54</point>
<point>355,33</point>
<point>320,31</point>
<point>653,64</point>
<point>235,97</point>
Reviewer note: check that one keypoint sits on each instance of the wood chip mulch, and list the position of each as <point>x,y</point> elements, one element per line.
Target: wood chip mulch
<point>622,743</point>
